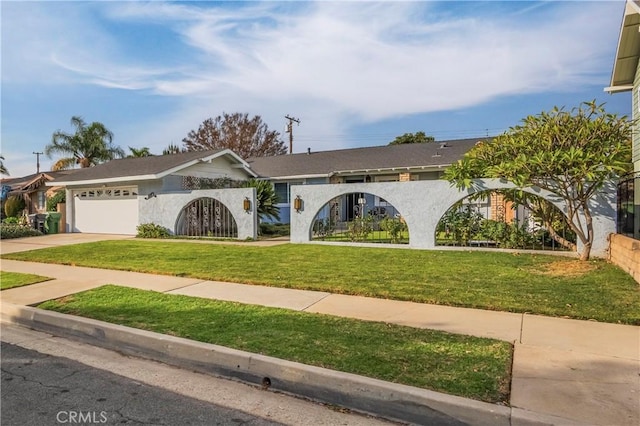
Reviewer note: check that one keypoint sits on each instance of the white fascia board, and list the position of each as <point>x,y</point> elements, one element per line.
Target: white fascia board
<point>393,169</point>
<point>296,177</point>
<point>93,182</point>
<point>618,89</point>
<point>225,152</point>
<point>245,168</point>
<point>631,8</point>
<point>234,155</point>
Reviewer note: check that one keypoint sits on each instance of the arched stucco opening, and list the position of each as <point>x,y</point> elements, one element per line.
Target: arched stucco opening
<point>359,217</point>
<point>423,203</point>
<point>206,217</point>
<point>506,218</point>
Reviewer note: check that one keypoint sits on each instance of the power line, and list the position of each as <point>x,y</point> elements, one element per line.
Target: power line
<point>290,130</point>
<point>38,154</point>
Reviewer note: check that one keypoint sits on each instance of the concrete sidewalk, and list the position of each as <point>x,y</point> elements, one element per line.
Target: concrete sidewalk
<point>575,372</point>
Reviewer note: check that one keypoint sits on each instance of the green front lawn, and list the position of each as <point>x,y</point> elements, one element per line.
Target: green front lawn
<point>15,279</point>
<point>539,284</point>
<point>471,367</point>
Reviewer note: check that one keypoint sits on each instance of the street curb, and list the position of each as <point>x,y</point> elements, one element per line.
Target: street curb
<point>377,397</point>
<point>389,400</point>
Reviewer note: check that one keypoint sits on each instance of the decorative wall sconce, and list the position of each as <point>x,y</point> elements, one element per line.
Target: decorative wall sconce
<point>150,196</point>
<point>246,204</point>
<point>297,203</point>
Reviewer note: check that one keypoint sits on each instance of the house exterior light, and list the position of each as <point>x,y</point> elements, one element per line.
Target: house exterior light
<point>297,203</point>
<point>246,204</point>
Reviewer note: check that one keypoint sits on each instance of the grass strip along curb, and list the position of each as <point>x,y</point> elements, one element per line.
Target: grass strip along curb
<point>537,284</point>
<point>16,279</point>
<point>466,366</point>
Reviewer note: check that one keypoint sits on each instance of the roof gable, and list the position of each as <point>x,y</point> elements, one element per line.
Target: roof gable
<point>628,50</point>
<point>149,168</point>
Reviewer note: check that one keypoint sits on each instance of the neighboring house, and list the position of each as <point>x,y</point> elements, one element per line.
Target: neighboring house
<point>34,190</point>
<point>105,198</point>
<point>389,163</point>
<point>626,78</point>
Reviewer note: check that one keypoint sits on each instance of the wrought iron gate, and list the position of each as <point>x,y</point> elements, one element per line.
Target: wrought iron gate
<point>206,217</point>
<point>629,205</point>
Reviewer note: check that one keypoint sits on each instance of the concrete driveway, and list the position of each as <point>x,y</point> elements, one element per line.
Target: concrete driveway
<point>53,240</point>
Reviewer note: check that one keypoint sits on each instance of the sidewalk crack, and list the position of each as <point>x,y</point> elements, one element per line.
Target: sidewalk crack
<point>317,301</point>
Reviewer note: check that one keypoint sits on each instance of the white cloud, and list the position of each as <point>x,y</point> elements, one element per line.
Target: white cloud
<point>332,64</point>
<point>377,60</point>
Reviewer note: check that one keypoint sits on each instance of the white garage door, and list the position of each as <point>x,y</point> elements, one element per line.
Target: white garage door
<point>106,210</point>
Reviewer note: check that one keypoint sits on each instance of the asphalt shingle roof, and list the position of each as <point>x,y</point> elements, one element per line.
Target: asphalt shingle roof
<point>17,183</point>
<point>136,166</point>
<point>322,163</point>
<point>431,154</point>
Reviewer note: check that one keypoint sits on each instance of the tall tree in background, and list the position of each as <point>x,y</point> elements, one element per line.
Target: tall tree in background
<point>244,136</point>
<point>572,154</point>
<point>89,145</point>
<point>139,152</point>
<point>417,137</point>
<point>172,149</point>
<point>3,169</point>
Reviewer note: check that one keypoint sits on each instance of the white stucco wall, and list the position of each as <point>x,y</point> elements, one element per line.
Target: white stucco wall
<point>423,203</point>
<point>164,208</point>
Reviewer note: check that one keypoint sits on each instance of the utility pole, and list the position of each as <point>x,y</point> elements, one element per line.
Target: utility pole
<point>290,131</point>
<point>37,154</point>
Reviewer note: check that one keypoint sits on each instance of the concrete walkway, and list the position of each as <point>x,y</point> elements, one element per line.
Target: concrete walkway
<point>581,372</point>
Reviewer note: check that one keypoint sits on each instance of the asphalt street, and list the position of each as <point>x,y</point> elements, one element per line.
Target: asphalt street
<point>40,389</point>
<point>49,380</point>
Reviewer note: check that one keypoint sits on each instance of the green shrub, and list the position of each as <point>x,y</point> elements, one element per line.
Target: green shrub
<point>274,229</point>
<point>394,227</point>
<point>509,235</point>
<point>10,230</point>
<point>152,230</point>
<point>360,228</point>
<point>460,223</point>
<point>11,220</point>
<point>57,198</point>
<point>14,206</point>
<point>323,228</point>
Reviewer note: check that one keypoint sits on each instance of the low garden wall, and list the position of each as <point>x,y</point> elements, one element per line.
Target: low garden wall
<point>625,252</point>
<point>423,203</point>
<point>164,208</point>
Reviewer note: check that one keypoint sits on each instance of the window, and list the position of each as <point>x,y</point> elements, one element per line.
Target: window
<point>282,191</point>
<point>42,200</point>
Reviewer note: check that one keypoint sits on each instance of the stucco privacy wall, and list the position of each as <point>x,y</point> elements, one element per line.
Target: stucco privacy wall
<point>423,203</point>
<point>164,208</point>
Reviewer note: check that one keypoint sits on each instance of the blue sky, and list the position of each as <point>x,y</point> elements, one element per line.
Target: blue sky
<point>355,73</point>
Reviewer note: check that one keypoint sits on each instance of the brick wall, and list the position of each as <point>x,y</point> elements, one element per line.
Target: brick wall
<point>625,252</point>
<point>404,177</point>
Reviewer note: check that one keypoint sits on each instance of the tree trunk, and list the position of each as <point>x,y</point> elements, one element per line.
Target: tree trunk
<point>586,252</point>
<point>562,241</point>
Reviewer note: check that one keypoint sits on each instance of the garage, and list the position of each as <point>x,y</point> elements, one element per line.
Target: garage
<point>112,210</point>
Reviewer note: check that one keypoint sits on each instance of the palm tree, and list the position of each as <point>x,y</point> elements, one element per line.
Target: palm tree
<point>172,149</point>
<point>3,169</point>
<point>88,146</point>
<point>139,152</point>
<point>266,198</point>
